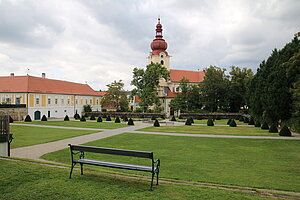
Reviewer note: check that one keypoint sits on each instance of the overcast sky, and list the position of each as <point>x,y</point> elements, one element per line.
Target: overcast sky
<point>101,41</point>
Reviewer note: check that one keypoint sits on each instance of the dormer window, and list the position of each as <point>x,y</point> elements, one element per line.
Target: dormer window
<point>161,55</point>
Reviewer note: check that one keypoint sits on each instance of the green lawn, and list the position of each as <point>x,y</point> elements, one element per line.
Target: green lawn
<point>30,181</point>
<point>26,136</point>
<point>272,164</point>
<point>214,130</point>
<point>88,124</point>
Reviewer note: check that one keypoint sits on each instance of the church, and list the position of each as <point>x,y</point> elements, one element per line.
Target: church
<point>168,89</point>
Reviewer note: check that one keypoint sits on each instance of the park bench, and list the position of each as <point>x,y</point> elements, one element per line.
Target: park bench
<point>77,149</point>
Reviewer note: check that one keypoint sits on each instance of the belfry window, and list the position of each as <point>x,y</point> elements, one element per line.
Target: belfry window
<point>162,62</point>
<point>161,56</point>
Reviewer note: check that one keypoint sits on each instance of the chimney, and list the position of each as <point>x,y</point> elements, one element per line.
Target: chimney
<point>43,75</point>
<point>12,74</point>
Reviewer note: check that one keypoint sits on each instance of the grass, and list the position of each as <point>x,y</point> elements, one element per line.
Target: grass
<point>26,136</point>
<point>30,181</point>
<point>87,124</point>
<point>212,130</point>
<point>242,162</point>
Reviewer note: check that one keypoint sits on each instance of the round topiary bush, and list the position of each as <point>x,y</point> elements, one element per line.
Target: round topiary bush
<point>232,123</point>
<point>173,118</point>
<point>188,121</point>
<point>265,126</point>
<point>44,118</point>
<point>76,116</point>
<point>257,124</point>
<point>273,129</point>
<point>108,119</point>
<point>246,120</point>
<point>66,118</point>
<point>251,121</point>
<point>11,119</point>
<point>28,119</point>
<point>156,123</point>
<point>210,122</point>
<point>99,119</point>
<point>229,120</point>
<point>117,120</point>
<point>92,117</point>
<point>130,122</point>
<point>285,131</point>
<point>241,119</point>
<point>82,119</point>
<point>153,117</point>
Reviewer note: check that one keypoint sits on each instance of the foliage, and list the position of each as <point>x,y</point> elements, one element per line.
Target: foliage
<point>257,124</point>
<point>117,120</point>
<point>44,118</point>
<point>210,122</point>
<point>87,108</point>
<point>246,120</point>
<point>116,96</point>
<point>285,131</point>
<point>273,128</point>
<point>99,119</point>
<point>188,121</point>
<point>66,118</point>
<point>76,116</point>
<point>173,119</point>
<point>229,120</point>
<point>146,83</point>
<point>108,119</point>
<point>192,120</point>
<point>130,122</point>
<point>92,117</point>
<point>156,123</point>
<point>232,123</point>
<point>82,119</point>
<point>125,118</point>
<point>28,119</point>
<point>251,121</point>
<point>265,126</point>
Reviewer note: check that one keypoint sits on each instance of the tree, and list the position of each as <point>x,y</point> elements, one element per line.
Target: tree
<point>146,83</point>
<point>116,96</point>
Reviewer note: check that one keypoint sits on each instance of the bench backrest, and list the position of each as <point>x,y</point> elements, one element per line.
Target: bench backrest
<point>122,152</point>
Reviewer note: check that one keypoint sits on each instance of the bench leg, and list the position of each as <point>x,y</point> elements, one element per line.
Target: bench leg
<point>152,182</point>
<point>81,168</point>
<point>73,164</point>
<point>157,177</point>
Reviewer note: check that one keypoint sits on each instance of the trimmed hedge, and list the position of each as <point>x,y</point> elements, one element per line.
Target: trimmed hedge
<point>232,123</point>
<point>28,119</point>
<point>229,120</point>
<point>82,119</point>
<point>273,129</point>
<point>210,122</point>
<point>265,126</point>
<point>153,118</point>
<point>99,119</point>
<point>188,121</point>
<point>251,121</point>
<point>285,131</point>
<point>192,121</point>
<point>156,123</point>
<point>125,118</point>
<point>44,118</point>
<point>173,118</point>
<point>257,124</point>
<point>130,122</point>
<point>108,119</point>
<point>117,120</point>
<point>218,118</point>
<point>66,118</point>
<point>76,116</point>
<point>92,117</point>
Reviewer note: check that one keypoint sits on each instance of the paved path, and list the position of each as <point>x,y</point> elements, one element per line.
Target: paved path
<point>36,151</point>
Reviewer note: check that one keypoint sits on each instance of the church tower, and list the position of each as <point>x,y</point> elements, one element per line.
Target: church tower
<point>159,46</point>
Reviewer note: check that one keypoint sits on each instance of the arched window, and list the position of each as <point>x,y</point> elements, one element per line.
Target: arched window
<point>162,62</point>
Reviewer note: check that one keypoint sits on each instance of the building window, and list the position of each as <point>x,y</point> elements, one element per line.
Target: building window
<point>76,101</point>
<point>8,100</point>
<point>86,101</point>
<point>90,101</point>
<point>18,100</point>
<point>49,101</point>
<point>177,89</point>
<point>68,101</point>
<point>162,62</point>
<point>162,56</point>
<point>62,101</point>
<point>97,101</point>
<point>65,110</point>
<point>37,100</point>
<point>56,101</point>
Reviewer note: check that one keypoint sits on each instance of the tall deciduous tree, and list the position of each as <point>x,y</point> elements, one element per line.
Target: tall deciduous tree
<point>116,96</point>
<point>146,83</point>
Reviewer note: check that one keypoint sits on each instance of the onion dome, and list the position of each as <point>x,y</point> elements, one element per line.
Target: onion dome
<point>159,45</point>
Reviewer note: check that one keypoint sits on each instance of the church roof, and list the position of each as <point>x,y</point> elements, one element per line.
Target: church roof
<point>44,85</point>
<point>192,76</point>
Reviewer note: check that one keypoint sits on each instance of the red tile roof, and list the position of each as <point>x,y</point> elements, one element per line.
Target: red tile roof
<point>192,76</point>
<point>44,85</point>
<point>171,94</point>
<point>137,99</point>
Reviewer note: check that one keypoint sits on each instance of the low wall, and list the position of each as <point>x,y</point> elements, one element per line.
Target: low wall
<point>121,114</point>
<point>16,113</point>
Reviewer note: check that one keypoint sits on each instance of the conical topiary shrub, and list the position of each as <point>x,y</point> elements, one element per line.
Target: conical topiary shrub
<point>246,120</point>
<point>11,119</point>
<point>173,118</point>
<point>108,119</point>
<point>273,129</point>
<point>285,131</point>
<point>210,122</point>
<point>265,126</point>
<point>44,118</point>
<point>125,118</point>
<point>92,117</point>
<point>188,121</point>
<point>241,119</point>
<point>232,123</point>
<point>117,120</point>
<point>257,124</point>
<point>251,121</point>
<point>66,118</point>
<point>229,120</point>
<point>28,119</point>
<point>76,116</point>
<point>153,117</point>
<point>130,122</point>
<point>82,119</point>
<point>156,123</point>
<point>192,121</point>
<point>99,119</point>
